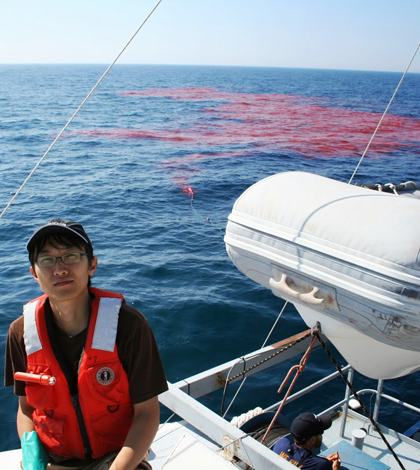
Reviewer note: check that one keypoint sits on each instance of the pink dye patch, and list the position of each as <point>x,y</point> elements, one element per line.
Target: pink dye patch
<point>270,123</point>
<point>131,134</point>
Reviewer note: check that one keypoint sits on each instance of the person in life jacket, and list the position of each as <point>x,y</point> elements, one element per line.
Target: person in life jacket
<point>84,364</point>
<point>307,430</point>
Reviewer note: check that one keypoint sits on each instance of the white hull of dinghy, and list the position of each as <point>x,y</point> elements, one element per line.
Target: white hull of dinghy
<point>348,253</point>
<point>370,357</point>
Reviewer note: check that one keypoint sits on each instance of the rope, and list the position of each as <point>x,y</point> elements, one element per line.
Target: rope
<point>383,115</point>
<point>201,217</point>
<point>78,109</point>
<point>299,369</point>
<point>238,421</point>
<point>317,335</point>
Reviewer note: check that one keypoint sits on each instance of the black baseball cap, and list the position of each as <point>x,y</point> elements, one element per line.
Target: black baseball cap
<point>57,226</point>
<point>307,425</point>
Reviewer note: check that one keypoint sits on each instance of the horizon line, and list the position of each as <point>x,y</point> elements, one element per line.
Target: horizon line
<point>201,65</point>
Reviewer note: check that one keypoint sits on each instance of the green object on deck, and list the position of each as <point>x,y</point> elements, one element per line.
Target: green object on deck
<point>34,456</point>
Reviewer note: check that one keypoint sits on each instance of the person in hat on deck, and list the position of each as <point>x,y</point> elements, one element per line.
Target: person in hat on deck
<point>307,430</point>
<point>84,364</point>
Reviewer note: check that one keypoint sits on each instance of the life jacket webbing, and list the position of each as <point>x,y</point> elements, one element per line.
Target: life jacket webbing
<point>30,331</point>
<point>106,326</point>
<point>105,329</point>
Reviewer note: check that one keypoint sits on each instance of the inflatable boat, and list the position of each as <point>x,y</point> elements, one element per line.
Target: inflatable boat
<point>346,256</point>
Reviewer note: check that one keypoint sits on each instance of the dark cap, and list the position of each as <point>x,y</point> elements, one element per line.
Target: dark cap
<point>307,425</point>
<point>66,227</point>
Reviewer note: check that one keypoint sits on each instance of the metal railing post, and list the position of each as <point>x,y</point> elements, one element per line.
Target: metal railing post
<point>346,404</point>
<point>378,399</point>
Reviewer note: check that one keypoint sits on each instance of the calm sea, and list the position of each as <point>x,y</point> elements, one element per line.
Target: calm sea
<point>152,137</point>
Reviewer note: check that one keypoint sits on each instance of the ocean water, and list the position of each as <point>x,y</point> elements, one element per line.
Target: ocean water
<point>152,166</point>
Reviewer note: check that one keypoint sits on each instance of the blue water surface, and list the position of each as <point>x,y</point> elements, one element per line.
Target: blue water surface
<point>164,252</point>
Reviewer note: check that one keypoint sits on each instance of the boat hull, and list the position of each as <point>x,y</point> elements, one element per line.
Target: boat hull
<point>343,255</point>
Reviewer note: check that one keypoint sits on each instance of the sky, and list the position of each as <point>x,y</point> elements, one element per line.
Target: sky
<point>334,34</point>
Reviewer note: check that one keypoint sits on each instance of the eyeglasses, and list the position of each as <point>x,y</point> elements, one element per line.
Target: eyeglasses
<point>50,261</point>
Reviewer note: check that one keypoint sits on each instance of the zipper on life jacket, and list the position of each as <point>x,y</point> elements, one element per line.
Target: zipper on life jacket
<point>82,427</point>
<point>71,376</point>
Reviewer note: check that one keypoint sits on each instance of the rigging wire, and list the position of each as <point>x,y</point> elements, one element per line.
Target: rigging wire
<point>365,410</point>
<point>245,377</point>
<point>79,108</point>
<point>383,115</point>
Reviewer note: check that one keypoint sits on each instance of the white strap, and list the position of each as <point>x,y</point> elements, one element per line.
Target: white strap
<point>30,330</point>
<point>106,324</point>
<point>104,336</point>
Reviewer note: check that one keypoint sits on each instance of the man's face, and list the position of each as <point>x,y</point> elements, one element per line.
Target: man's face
<point>64,282</point>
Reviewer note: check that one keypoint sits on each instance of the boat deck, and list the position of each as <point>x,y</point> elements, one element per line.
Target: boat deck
<point>407,449</point>
<point>179,445</point>
<point>191,447</point>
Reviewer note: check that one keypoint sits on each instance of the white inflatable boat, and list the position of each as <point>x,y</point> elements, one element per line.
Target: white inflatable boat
<point>345,256</point>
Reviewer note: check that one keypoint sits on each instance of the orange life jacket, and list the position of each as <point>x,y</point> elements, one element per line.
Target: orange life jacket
<point>96,419</point>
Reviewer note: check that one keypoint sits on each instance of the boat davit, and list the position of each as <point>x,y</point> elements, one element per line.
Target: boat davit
<point>346,256</point>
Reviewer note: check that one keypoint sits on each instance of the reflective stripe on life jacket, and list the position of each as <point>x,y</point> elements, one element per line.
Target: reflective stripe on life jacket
<point>103,398</point>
